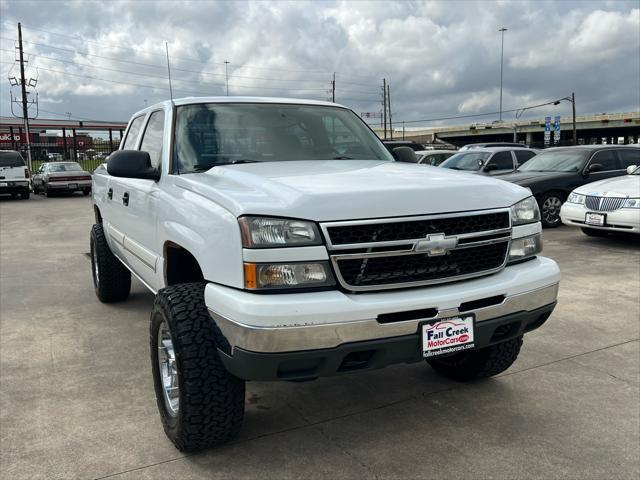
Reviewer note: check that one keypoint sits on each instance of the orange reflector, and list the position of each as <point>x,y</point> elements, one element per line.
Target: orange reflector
<point>250,276</point>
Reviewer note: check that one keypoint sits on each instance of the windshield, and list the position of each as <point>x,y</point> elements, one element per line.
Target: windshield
<point>556,161</point>
<point>207,135</point>
<point>65,167</point>
<point>466,161</point>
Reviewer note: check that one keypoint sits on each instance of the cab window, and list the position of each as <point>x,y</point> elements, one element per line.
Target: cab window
<point>607,159</point>
<point>629,156</point>
<point>524,155</point>
<point>132,134</point>
<point>502,161</point>
<point>152,137</point>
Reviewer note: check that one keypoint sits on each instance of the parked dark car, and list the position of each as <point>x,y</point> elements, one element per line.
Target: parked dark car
<point>554,173</point>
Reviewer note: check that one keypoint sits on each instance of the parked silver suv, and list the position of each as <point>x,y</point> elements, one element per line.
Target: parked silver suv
<point>490,160</point>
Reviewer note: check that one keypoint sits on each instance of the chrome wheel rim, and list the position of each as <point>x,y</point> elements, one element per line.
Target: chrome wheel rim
<point>168,370</point>
<point>96,268</point>
<point>551,209</point>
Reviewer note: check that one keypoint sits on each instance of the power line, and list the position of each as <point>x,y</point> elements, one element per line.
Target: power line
<point>190,59</point>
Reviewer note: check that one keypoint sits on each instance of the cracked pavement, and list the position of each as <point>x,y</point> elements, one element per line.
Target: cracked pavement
<point>77,401</point>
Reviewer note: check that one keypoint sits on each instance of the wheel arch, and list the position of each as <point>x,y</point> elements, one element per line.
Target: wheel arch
<point>180,265</point>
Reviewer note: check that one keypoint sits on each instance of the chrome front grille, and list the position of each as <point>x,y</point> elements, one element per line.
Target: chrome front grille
<point>603,204</point>
<point>382,254</point>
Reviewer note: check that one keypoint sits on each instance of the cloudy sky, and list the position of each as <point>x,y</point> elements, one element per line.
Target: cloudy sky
<point>105,60</point>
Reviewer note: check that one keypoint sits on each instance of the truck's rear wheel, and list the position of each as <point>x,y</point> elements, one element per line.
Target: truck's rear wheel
<point>201,404</point>
<point>476,364</point>
<point>111,279</point>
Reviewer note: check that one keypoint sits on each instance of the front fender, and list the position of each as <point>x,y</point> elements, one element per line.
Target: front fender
<point>209,232</point>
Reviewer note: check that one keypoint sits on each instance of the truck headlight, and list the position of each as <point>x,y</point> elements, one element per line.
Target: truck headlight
<point>576,198</point>
<point>631,203</point>
<point>266,276</point>
<point>265,232</point>
<point>525,211</point>
<point>525,247</point>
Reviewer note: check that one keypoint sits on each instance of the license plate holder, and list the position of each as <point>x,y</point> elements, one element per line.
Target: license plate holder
<point>3,184</point>
<point>595,219</point>
<point>447,335</point>
<point>73,186</point>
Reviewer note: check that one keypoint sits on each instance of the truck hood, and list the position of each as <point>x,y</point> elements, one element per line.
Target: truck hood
<point>347,189</point>
<point>627,186</point>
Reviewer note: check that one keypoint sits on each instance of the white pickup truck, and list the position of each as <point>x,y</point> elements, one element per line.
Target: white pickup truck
<point>284,242</point>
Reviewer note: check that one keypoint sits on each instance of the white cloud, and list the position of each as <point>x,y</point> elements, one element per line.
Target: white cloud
<point>441,58</point>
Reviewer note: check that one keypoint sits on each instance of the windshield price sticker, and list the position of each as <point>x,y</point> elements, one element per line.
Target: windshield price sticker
<point>449,335</point>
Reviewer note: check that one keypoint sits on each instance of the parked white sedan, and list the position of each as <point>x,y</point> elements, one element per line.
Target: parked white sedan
<point>611,205</point>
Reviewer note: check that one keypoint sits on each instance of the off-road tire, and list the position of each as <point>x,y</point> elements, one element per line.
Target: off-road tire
<point>86,192</point>
<point>45,190</point>
<point>477,364</point>
<point>111,279</point>
<point>593,232</point>
<point>211,400</point>
<point>550,202</point>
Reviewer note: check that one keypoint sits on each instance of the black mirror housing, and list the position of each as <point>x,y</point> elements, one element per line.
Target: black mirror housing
<point>132,164</point>
<point>594,167</point>
<point>405,154</point>
<point>490,167</point>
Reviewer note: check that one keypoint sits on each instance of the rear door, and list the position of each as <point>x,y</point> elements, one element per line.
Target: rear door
<point>112,215</point>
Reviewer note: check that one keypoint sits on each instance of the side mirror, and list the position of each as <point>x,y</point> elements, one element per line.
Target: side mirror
<point>132,164</point>
<point>405,154</point>
<point>631,168</point>
<point>490,167</point>
<point>594,167</point>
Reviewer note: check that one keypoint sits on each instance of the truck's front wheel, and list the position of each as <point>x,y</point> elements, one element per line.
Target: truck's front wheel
<point>111,279</point>
<point>201,404</point>
<point>477,364</point>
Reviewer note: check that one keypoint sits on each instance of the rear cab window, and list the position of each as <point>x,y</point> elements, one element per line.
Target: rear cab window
<point>153,137</point>
<point>523,155</point>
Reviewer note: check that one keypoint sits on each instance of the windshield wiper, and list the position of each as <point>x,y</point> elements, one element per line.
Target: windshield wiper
<point>343,158</point>
<point>201,168</point>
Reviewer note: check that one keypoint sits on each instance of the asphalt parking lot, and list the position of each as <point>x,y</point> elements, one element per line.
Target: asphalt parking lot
<point>77,401</point>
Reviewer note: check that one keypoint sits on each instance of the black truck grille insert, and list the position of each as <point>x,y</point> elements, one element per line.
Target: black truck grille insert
<point>403,269</point>
<point>415,229</point>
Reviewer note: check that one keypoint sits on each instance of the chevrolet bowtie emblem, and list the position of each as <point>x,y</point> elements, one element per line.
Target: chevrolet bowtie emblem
<point>436,244</point>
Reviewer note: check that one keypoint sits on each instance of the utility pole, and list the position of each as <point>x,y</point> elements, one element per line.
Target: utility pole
<point>502,30</point>
<point>389,107</point>
<point>403,129</point>
<point>384,106</point>
<point>23,84</point>
<point>333,88</point>
<point>573,106</point>
<point>226,75</point>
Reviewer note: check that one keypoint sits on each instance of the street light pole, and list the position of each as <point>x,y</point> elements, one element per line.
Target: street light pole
<point>502,30</point>
<point>226,75</point>
<point>573,106</point>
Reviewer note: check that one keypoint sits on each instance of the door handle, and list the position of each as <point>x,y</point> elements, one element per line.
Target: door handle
<point>125,199</point>
<point>110,194</point>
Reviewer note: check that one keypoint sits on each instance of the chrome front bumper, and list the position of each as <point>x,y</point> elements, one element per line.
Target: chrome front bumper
<point>308,321</point>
